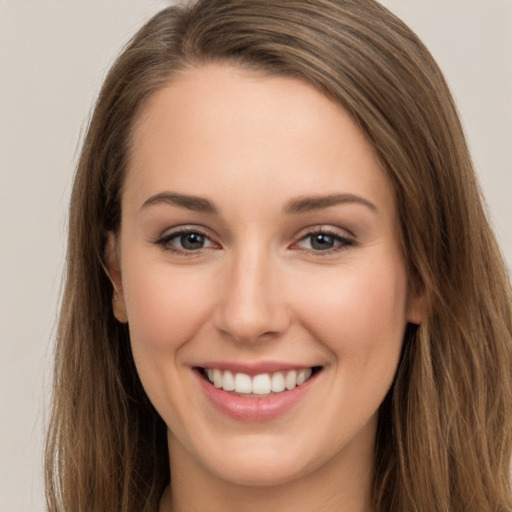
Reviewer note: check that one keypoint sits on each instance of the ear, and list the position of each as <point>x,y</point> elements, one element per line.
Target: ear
<point>112,256</point>
<point>417,305</point>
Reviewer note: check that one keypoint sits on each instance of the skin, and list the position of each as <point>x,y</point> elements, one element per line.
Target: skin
<point>259,289</point>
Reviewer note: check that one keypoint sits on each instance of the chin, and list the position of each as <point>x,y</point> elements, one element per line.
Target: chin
<point>266,460</point>
<point>262,472</point>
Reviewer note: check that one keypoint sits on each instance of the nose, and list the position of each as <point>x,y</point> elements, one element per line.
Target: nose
<point>251,305</point>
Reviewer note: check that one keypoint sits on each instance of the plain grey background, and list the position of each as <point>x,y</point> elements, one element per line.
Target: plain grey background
<point>53,56</point>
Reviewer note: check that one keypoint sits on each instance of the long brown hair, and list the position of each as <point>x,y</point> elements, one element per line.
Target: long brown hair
<point>444,440</point>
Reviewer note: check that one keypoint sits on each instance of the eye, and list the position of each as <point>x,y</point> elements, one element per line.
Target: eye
<point>191,241</point>
<point>185,241</point>
<point>324,241</point>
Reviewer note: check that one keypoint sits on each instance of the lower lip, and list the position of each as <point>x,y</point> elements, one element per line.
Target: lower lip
<point>254,409</point>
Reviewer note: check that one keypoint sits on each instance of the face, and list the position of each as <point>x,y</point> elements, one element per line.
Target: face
<point>259,268</point>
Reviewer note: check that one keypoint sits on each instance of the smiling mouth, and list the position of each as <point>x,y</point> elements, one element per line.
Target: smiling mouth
<point>258,386</point>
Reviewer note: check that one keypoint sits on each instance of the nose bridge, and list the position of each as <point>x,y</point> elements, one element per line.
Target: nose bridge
<point>251,304</point>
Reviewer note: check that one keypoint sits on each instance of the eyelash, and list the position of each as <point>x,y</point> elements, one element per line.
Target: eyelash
<point>343,243</point>
<point>164,242</point>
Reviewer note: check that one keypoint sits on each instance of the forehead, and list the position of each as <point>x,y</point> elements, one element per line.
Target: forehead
<point>219,125</point>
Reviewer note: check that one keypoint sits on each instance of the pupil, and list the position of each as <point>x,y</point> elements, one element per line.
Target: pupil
<point>322,242</point>
<point>192,241</point>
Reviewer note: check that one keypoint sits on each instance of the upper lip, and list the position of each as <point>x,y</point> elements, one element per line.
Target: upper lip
<point>253,368</point>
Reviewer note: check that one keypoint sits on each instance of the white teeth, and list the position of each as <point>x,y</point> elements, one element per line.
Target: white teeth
<point>217,378</point>
<point>277,383</point>
<point>291,380</point>
<point>228,382</point>
<point>243,383</point>
<point>303,376</point>
<point>262,384</point>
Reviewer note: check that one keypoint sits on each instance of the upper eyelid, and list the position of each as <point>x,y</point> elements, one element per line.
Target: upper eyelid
<point>326,228</point>
<point>178,230</point>
<point>336,236</point>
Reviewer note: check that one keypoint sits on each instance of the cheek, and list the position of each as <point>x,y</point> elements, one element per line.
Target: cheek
<point>166,306</point>
<point>359,312</point>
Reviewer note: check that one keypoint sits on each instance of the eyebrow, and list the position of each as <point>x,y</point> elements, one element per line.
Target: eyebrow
<point>194,203</point>
<point>308,204</point>
<point>292,207</point>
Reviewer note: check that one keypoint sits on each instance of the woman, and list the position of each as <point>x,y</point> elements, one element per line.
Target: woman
<point>282,291</point>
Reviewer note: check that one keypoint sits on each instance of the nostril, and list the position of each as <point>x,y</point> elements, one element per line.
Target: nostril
<point>246,324</point>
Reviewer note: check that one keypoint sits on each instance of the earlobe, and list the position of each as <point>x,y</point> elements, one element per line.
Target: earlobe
<point>119,309</point>
<point>114,273</point>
